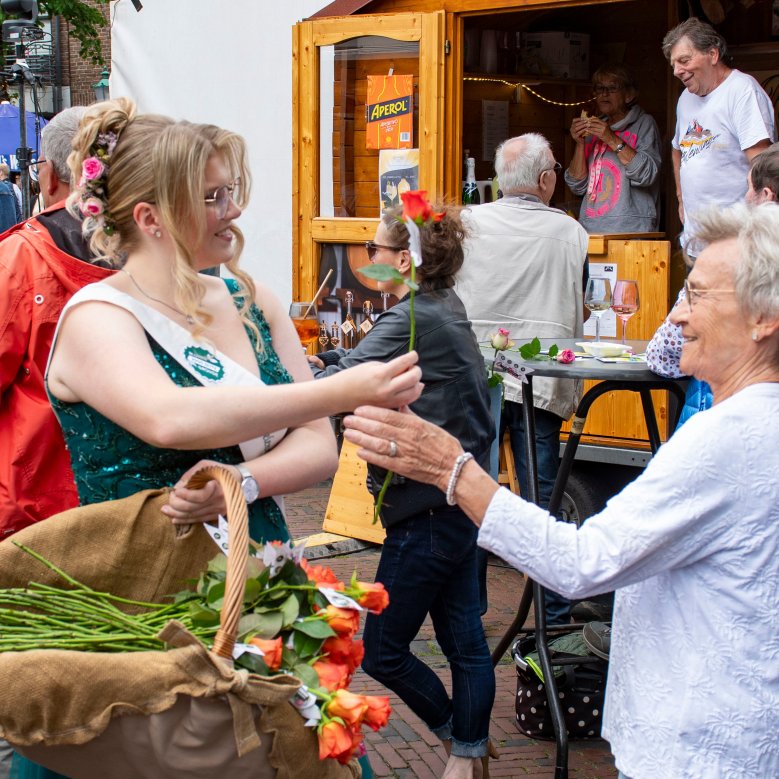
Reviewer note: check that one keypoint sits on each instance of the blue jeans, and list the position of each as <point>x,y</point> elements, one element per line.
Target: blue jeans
<point>558,608</point>
<point>428,566</point>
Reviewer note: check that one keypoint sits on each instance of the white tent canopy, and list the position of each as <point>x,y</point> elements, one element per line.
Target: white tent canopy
<point>229,64</point>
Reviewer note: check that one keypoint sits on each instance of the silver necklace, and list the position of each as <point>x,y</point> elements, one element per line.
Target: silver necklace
<point>189,318</point>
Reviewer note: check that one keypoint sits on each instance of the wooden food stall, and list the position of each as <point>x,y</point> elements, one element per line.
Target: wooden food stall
<point>447,76</point>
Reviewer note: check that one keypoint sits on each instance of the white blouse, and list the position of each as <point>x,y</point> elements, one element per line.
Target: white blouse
<point>692,548</point>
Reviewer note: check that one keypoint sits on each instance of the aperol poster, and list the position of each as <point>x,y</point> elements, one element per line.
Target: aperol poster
<point>389,112</point>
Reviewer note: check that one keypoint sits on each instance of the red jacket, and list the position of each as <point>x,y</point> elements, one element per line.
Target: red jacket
<point>36,280</point>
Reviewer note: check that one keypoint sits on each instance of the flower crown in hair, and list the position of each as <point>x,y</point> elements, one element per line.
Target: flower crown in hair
<point>93,202</point>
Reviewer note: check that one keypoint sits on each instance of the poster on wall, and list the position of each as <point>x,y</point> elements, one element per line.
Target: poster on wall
<point>398,173</point>
<point>494,126</point>
<point>389,112</point>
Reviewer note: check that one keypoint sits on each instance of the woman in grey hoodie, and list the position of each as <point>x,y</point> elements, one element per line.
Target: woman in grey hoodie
<point>616,164</point>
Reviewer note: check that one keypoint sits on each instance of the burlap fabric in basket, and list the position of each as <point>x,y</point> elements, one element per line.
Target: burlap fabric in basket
<point>185,712</point>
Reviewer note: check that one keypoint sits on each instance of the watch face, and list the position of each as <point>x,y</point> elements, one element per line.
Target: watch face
<point>251,490</point>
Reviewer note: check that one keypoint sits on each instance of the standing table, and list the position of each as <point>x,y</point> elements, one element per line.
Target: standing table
<point>631,376</point>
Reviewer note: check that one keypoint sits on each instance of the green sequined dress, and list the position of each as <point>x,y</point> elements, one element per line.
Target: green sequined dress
<point>109,462</point>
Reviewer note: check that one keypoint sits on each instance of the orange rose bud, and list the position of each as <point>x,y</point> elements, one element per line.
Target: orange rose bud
<point>335,740</point>
<point>378,711</point>
<point>271,649</point>
<point>321,574</point>
<point>372,597</point>
<point>332,676</point>
<point>345,622</point>
<point>344,650</point>
<point>348,706</point>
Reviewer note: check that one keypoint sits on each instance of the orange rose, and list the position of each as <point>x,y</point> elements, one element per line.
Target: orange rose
<point>344,650</point>
<point>271,650</point>
<point>335,740</point>
<point>415,206</point>
<point>372,596</point>
<point>332,676</point>
<point>378,711</point>
<point>348,706</point>
<point>321,574</point>
<point>345,622</point>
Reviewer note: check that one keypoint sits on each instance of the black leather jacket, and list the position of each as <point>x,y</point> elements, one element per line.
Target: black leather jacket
<point>455,394</point>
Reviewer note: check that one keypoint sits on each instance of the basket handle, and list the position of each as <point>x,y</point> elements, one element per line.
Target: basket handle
<point>235,586</point>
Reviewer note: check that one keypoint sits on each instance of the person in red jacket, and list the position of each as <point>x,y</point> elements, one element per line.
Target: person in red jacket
<point>43,262</point>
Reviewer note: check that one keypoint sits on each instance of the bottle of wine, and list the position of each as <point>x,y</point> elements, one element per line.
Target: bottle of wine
<point>324,338</point>
<point>367,318</point>
<point>348,327</point>
<point>384,299</point>
<point>470,188</point>
<point>335,335</point>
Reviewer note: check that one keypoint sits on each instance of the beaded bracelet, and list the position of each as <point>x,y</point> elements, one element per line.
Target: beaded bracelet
<point>455,475</point>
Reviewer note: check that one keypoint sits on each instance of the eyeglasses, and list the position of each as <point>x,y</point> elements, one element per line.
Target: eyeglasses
<point>372,248</point>
<point>605,89</point>
<point>693,294</point>
<point>557,167</point>
<point>220,198</point>
<point>33,168</point>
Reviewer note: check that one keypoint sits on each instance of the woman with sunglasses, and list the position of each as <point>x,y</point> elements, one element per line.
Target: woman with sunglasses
<point>428,560</point>
<point>616,162</point>
<point>160,367</point>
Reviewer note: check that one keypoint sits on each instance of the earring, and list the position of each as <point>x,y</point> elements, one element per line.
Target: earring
<point>755,336</point>
<point>158,234</point>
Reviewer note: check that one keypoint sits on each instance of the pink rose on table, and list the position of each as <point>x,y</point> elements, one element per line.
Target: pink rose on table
<point>501,339</point>
<point>91,207</point>
<point>92,168</point>
<point>566,356</point>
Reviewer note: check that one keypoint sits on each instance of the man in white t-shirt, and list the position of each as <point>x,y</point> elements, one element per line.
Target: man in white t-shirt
<point>723,119</point>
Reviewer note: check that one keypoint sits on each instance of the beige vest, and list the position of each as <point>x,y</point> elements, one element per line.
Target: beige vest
<point>523,270</point>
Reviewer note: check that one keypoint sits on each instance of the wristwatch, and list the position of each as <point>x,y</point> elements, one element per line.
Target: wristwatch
<point>251,490</point>
<point>620,147</point>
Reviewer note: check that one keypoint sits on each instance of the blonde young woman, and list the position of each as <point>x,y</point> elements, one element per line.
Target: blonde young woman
<point>160,367</point>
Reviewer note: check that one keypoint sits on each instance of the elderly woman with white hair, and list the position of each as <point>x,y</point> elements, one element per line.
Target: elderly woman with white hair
<point>691,546</point>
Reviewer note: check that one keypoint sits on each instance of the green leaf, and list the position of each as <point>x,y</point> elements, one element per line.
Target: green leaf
<point>215,595</point>
<point>203,617</point>
<point>494,379</point>
<point>412,285</point>
<point>253,591</point>
<point>262,625</point>
<point>306,646</point>
<point>306,674</point>
<point>253,663</point>
<point>316,628</point>
<point>382,272</point>
<point>553,351</point>
<point>290,610</point>
<point>217,564</point>
<point>530,351</point>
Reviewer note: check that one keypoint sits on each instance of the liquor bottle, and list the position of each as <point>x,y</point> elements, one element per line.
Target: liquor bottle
<point>348,327</point>
<point>470,188</point>
<point>488,192</point>
<point>384,299</point>
<point>324,338</point>
<point>335,335</point>
<point>367,318</point>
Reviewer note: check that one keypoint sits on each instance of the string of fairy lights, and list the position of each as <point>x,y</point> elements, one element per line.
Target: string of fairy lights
<point>519,84</point>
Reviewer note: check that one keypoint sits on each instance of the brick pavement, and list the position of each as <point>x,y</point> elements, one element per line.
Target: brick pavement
<point>406,749</point>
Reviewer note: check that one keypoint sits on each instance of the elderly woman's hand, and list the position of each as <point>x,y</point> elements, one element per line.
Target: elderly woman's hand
<point>601,129</point>
<point>579,129</point>
<point>404,443</point>
<point>186,506</point>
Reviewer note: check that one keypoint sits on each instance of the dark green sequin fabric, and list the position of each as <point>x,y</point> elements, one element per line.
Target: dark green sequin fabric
<point>109,462</point>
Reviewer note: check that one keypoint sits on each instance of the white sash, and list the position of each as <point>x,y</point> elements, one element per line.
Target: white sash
<point>204,363</point>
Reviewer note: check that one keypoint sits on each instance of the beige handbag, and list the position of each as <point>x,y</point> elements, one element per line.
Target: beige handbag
<point>185,712</point>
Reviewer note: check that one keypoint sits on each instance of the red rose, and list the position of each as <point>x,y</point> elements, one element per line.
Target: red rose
<point>378,711</point>
<point>415,206</point>
<point>348,706</point>
<point>344,651</point>
<point>271,649</point>
<point>372,596</point>
<point>345,622</point>
<point>335,740</point>
<point>321,574</point>
<point>332,676</point>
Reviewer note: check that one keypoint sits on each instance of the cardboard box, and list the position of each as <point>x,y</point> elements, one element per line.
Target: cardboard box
<point>565,54</point>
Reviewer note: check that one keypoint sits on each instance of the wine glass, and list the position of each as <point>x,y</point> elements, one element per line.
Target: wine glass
<point>625,302</point>
<point>304,317</point>
<point>597,297</point>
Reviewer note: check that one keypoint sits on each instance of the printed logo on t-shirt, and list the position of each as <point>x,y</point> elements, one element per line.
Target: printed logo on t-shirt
<point>695,141</point>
